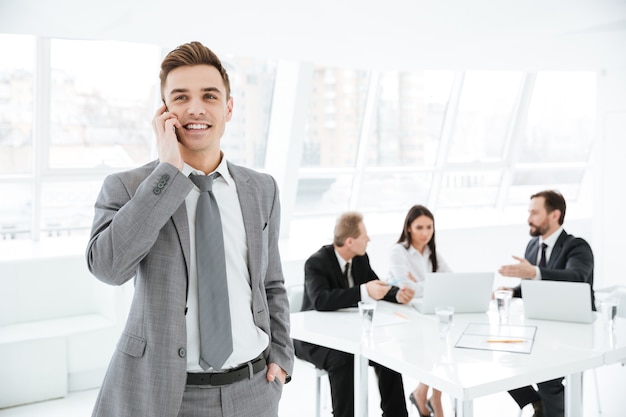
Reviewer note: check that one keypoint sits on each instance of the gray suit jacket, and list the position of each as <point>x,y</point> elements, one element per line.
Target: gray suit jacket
<point>141,231</point>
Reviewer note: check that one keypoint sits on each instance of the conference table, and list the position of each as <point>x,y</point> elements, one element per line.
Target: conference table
<point>409,342</point>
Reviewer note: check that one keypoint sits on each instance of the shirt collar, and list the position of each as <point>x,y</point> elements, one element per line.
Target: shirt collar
<point>222,168</point>
<point>551,240</point>
<point>426,250</point>
<point>342,262</point>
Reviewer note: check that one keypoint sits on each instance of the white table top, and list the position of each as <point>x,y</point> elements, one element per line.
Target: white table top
<point>339,330</point>
<point>413,347</point>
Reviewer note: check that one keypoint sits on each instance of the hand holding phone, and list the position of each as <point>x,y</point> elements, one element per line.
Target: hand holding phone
<point>164,125</point>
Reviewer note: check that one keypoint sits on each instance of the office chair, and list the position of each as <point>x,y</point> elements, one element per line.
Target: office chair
<point>295,294</point>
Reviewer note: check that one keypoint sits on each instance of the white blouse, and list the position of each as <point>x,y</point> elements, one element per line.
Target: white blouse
<point>402,261</point>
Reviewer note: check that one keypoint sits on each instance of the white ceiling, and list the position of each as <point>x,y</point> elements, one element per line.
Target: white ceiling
<point>454,34</point>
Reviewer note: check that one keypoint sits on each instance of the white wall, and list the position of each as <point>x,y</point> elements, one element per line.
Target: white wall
<point>609,221</point>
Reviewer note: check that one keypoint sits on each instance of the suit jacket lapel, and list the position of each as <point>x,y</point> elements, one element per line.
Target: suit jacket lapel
<point>337,273</point>
<point>556,250</point>
<point>533,251</point>
<point>357,274</point>
<point>251,220</point>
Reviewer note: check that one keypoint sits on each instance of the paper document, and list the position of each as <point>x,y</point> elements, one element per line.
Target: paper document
<point>385,318</point>
<point>517,339</point>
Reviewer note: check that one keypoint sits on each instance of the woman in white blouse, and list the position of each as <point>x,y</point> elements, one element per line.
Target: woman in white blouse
<point>411,258</point>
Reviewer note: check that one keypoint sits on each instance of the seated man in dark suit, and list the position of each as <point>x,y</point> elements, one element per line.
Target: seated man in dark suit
<point>327,288</point>
<point>552,254</point>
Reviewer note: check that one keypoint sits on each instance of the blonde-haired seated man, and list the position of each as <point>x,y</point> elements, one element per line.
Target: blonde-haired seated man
<point>338,276</point>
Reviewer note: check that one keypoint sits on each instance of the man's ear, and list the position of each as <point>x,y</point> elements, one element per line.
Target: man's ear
<point>229,109</point>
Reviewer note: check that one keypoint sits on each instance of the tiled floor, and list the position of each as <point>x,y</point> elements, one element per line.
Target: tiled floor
<point>298,400</point>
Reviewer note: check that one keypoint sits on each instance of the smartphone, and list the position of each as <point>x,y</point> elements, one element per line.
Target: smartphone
<point>175,130</point>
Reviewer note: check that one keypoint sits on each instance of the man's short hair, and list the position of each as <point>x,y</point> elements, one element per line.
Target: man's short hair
<point>189,54</point>
<point>347,226</point>
<point>553,201</point>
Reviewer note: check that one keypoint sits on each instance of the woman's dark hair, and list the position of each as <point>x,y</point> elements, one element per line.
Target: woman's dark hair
<point>405,237</point>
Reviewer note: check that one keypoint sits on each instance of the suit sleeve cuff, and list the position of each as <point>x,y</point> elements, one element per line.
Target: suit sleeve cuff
<point>364,294</point>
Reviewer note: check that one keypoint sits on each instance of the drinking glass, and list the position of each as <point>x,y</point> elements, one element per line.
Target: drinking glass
<point>366,310</point>
<point>503,301</point>
<point>445,314</point>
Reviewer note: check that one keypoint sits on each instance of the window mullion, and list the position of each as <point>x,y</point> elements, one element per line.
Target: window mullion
<point>445,139</point>
<point>41,129</point>
<point>364,138</point>
<point>515,137</point>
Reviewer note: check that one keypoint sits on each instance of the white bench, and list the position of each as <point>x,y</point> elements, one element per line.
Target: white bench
<point>37,357</point>
<point>58,327</point>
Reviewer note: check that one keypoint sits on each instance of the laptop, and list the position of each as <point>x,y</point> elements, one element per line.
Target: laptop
<point>467,292</point>
<point>557,300</point>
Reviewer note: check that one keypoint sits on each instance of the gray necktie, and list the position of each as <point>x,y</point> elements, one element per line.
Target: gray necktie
<point>216,339</point>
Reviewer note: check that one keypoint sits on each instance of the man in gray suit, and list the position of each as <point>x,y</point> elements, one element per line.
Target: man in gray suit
<point>144,229</point>
<point>552,255</point>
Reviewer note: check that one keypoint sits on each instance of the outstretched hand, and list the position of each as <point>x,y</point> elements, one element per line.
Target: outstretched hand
<point>523,269</point>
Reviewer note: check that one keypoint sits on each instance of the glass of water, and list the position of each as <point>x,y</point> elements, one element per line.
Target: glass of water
<point>503,301</point>
<point>366,310</point>
<point>609,310</point>
<point>444,314</point>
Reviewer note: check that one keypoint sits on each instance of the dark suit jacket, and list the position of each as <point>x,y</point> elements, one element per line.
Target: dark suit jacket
<point>571,260</point>
<point>324,289</point>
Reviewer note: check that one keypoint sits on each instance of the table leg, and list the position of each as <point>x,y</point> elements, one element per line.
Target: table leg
<point>463,408</point>
<point>360,385</point>
<point>574,395</point>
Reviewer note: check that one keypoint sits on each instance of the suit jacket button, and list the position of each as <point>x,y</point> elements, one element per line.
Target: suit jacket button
<point>156,190</point>
<point>182,352</point>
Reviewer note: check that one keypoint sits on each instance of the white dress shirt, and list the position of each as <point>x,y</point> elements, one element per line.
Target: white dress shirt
<point>248,340</point>
<point>550,242</point>
<point>362,288</point>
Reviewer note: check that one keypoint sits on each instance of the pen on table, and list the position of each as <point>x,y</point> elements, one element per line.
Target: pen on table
<point>402,316</point>
<point>505,340</point>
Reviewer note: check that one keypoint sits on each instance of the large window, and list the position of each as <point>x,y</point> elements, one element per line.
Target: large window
<point>102,98</point>
<point>74,111</point>
<point>556,142</point>
<point>16,104</point>
<point>449,140</point>
<point>485,112</point>
<point>17,98</point>
<point>252,84</point>
<point>374,141</point>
